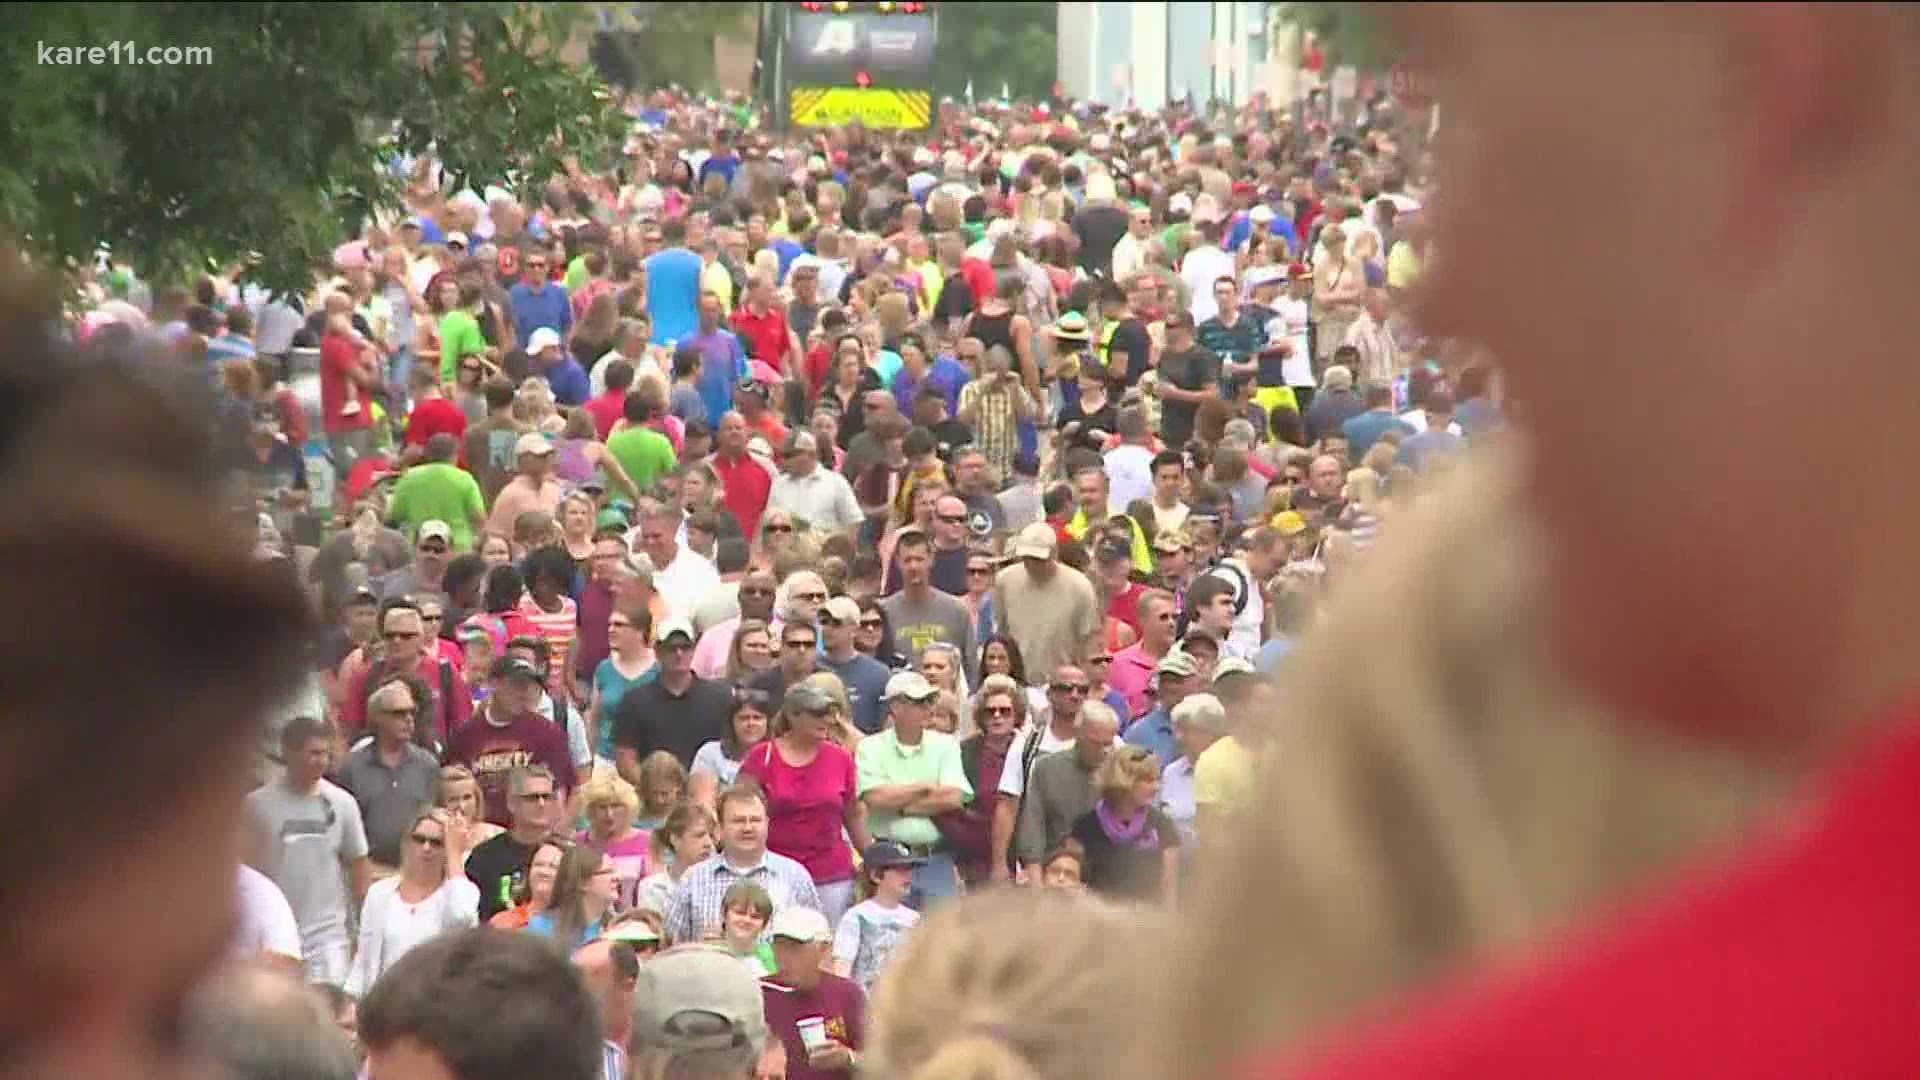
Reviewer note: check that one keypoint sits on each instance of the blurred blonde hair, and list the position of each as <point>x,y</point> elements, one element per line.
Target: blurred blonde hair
<point>1443,796</point>
<point>1124,767</point>
<point>608,786</point>
<point>1013,984</point>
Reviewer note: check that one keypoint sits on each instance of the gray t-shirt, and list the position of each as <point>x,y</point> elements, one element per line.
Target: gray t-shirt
<point>921,621</point>
<point>310,839</point>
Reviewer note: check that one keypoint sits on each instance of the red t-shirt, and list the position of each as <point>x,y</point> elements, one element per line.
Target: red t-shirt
<point>840,1002</point>
<point>769,428</point>
<point>365,473</point>
<point>606,410</point>
<point>807,807</point>
<point>493,752</point>
<point>764,335</point>
<point>980,278</point>
<point>1801,958</point>
<point>1125,606</point>
<point>435,416</point>
<point>748,483</point>
<point>819,366</point>
<point>339,358</point>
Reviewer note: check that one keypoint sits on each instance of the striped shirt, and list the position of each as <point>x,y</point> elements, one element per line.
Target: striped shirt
<point>694,913</point>
<point>559,628</point>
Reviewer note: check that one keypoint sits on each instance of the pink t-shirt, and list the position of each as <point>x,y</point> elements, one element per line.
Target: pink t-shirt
<point>632,861</point>
<point>559,628</point>
<point>807,807</point>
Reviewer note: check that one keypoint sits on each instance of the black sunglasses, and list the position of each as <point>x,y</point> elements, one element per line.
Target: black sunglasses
<point>428,841</point>
<point>776,528</point>
<point>1000,710</point>
<point>797,643</point>
<point>1069,688</point>
<point>873,624</point>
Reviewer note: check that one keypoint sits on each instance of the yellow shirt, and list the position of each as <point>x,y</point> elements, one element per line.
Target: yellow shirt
<point>1403,266</point>
<point>1141,553</point>
<point>1223,776</point>
<point>715,279</point>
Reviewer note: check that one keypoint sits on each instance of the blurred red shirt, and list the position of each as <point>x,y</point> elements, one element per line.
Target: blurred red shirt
<point>1802,959</point>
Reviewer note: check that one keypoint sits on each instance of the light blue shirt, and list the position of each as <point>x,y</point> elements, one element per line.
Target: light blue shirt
<point>1154,732</point>
<point>673,294</point>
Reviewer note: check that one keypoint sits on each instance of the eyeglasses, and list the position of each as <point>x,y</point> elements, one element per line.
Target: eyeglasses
<point>537,796</point>
<point>999,710</point>
<point>400,635</point>
<point>799,643</point>
<point>1069,688</point>
<point>429,842</point>
<point>776,527</point>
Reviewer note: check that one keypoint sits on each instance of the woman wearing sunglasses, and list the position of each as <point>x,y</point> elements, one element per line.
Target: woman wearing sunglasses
<point>999,711</point>
<point>427,898</point>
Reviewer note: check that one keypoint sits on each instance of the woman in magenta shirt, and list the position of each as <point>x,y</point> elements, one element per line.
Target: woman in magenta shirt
<point>812,800</point>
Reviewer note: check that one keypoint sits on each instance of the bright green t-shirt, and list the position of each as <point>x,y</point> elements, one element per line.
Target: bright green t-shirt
<point>576,274</point>
<point>459,336</point>
<point>644,453</point>
<point>438,491</point>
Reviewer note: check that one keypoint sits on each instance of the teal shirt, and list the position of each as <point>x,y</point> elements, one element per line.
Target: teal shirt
<point>881,761</point>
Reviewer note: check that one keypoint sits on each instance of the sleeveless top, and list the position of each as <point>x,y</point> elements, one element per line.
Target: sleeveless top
<point>995,330</point>
<point>570,465</point>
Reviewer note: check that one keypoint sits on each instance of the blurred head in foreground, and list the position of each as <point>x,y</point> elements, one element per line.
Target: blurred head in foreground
<point>1439,795</point>
<point>1014,984</point>
<point>143,553</point>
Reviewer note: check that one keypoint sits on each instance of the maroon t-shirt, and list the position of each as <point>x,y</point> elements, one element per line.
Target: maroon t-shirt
<point>493,752</point>
<point>840,1002</point>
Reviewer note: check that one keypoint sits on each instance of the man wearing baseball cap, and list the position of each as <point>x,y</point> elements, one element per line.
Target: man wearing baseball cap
<point>1048,609</point>
<point>533,486</point>
<point>563,373</point>
<point>678,711</point>
<point>908,774</point>
<point>817,1020</point>
<point>864,677</point>
<point>508,731</point>
<point>697,1012</point>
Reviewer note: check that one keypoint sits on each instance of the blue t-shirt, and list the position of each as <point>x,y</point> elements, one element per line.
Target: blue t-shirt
<point>547,308</point>
<point>1366,429</point>
<point>726,166</point>
<point>542,924</point>
<point>673,294</point>
<point>569,382</point>
<point>946,373</point>
<point>788,251</point>
<point>1242,230</point>
<point>612,686</point>
<point>866,680</point>
<point>723,365</point>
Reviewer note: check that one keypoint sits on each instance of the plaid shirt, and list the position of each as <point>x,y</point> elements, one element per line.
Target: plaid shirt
<point>694,913</point>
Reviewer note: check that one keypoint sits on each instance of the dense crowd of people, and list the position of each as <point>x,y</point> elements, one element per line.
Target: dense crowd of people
<point>764,542</point>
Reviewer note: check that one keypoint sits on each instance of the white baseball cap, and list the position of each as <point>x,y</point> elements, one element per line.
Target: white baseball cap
<point>542,339</point>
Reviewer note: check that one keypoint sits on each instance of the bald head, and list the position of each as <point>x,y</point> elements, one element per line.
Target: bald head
<point>258,1022</point>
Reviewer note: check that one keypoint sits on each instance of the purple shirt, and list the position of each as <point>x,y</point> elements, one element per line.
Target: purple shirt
<point>595,608</point>
<point>946,374</point>
<point>493,752</point>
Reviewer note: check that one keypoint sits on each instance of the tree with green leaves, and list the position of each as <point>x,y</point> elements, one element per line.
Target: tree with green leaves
<point>273,149</point>
<point>991,44</point>
<point>648,45</point>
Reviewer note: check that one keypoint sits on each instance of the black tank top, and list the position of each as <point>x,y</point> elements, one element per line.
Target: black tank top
<point>994,330</point>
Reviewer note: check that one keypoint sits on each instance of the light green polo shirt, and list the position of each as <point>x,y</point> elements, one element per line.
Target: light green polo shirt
<point>881,760</point>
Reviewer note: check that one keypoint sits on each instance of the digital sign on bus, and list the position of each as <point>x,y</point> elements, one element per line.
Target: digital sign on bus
<point>828,47</point>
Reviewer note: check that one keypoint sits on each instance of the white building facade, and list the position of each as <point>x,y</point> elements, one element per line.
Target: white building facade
<point>1150,53</point>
